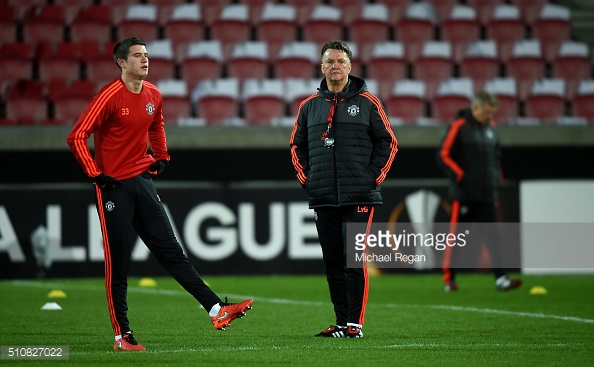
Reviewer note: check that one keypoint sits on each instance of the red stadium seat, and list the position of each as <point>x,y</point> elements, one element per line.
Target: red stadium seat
<point>255,9</point>
<point>99,64</point>
<point>546,100</point>
<point>202,61</point>
<point>165,9</point>
<point>323,25</point>
<point>573,64</point>
<point>460,27</point>
<point>231,27</point>
<point>296,90</point>
<point>72,7</point>
<point>140,21</point>
<point>297,60</point>
<point>480,63</point>
<point>442,8</point>
<point>216,100</point>
<point>44,23</point>
<point>505,28</point>
<point>58,60</point>
<point>452,95</point>
<point>583,102</point>
<point>92,23</point>
<point>434,65</point>
<point>118,8</point>
<point>396,9</point>
<point>415,28</point>
<point>263,101</point>
<point>506,92</point>
<point>16,63</point>
<point>530,9</point>
<point>248,60</point>
<point>407,101</point>
<point>484,9</point>
<point>552,27</point>
<point>176,100</point>
<point>387,65</point>
<point>21,7</point>
<point>26,103</point>
<point>526,65</point>
<point>210,10</point>
<point>277,25</point>
<point>70,99</point>
<point>8,23</point>
<point>184,27</point>
<point>304,8</point>
<point>351,9</point>
<point>368,28</point>
<point>161,60</point>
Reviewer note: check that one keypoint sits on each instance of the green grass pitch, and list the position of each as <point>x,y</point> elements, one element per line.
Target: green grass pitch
<point>409,321</point>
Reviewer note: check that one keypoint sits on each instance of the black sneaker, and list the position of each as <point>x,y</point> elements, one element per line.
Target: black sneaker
<point>354,332</point>
<point>333,332</point>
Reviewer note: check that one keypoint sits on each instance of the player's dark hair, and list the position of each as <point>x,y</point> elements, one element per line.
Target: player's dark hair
<point>484,98</point>
<point>121,50</point>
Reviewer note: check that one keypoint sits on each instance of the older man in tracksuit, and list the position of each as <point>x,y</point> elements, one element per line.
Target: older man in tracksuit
<point>469,156</point>
<point>342,147</point>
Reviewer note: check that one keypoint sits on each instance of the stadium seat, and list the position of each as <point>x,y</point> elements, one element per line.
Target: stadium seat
<point>58,60</point>
<point>396,9</point>
<point>442,8</point>
<point>296,90</point>
<point>552,27</point>
<point>263,101</point>
<point>356,63</point>
<point>231,27</point>
<point>255,9</point>
<point>459,28</point>
<point>161,60</point>
<point>351,9</point>
<point>92,23</point>
<point>277,25</point>
<point>211,9</point>
<point>26,103</point>
<point>323,25</point>
<point>203,61</point>
<point>16,63</point>
<point>546,100</point>
<point>118,8</point>
<point>583,102</point>
<point>480,63</point>
<point>452,95</point>
<point>304,8</point>
<point>416,27</point>
<point>484,9</point>
<point>526,65</point>
<point>248,60</point>
<point>165,9</point>
<point>530,9</point>
<point>21,7</point>
<point>368,27</point>
<point>70,99</point>
<point>505,28</point>
<point>434,65</point>
<point>506,92</point>
<point>297,60</point>
<point>407,101</point>
<point>140,21</point>
<point>44,23</point>
<point>8,23</point>
<point>387,65</point>
<point>183,27</point>
<point>176,100</point>
<point>216,100</point>
<point>72,7</point>
<point>98,62</point>
<point>573,64</point>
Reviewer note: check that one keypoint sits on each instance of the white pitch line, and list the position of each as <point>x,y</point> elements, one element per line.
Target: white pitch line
<point>173,292</point>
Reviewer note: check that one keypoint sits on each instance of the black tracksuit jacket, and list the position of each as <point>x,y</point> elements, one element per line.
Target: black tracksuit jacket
<point>350,172</point>
<point>469,156</point>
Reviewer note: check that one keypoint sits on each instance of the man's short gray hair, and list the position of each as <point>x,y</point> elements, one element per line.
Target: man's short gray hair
<point>483,98</point>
